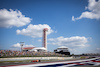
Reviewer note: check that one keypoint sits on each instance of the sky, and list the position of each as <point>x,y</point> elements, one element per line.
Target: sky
<point>72,23</point>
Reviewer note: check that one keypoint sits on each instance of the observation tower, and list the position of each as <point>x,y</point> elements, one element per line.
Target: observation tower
<point>45,37</point>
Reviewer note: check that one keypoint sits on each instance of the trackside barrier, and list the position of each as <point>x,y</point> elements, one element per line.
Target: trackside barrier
<point>35,58</point>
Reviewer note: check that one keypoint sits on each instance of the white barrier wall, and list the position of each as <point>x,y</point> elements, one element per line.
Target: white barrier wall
<point>34,58</point>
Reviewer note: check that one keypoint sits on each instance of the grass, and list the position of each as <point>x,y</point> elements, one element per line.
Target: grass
<point>15,61</point>
<point>28,61</point>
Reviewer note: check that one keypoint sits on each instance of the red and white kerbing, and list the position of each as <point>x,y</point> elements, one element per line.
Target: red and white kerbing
<point>45,38</point>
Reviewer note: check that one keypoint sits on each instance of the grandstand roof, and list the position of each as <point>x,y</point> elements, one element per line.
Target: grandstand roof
<point>63,47</point>
<point>27,48</point>
<point>42,48</point>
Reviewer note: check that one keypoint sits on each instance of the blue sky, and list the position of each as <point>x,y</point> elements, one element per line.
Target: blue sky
<point>71,23</point>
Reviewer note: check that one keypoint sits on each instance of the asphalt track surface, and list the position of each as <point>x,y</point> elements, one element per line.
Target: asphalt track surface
<point>7,64</point>
<point>69,64</point>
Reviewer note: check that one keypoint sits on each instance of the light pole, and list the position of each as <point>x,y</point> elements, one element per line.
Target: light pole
<point>21,44</point>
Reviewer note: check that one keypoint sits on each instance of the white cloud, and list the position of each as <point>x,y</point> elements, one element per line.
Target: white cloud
<point>72,50</point>
<point>56,31</point>
<point>28,46</point>
<point>18,45</point>
<point>98,48</point>
<point>39,40</point>
<point>35,30</point>
<point>93,13</point>
<point>73,19</point>
<point>72,42</point>
<point>10,18</point>
<point>15,49</point>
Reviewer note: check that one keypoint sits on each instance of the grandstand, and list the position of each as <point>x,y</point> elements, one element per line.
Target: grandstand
<point>11,53</point>
<point>62,50</point>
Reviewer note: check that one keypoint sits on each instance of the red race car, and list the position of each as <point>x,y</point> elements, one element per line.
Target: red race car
<point>36,61</point>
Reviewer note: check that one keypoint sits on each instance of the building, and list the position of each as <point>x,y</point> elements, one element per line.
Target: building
<point>39,49</point>
<point>35,49</point>
<point>62,50</point>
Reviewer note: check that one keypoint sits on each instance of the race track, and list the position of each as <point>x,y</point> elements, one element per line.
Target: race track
<point>95,62</point>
